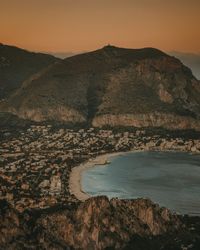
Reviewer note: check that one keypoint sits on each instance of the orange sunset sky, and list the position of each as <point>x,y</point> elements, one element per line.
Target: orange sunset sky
<point>82,25</point>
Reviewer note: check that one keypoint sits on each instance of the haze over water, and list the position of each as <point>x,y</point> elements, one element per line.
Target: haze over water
<point>170,179</point>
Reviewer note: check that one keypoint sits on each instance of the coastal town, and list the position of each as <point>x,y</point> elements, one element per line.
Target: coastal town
<point>36,162</point>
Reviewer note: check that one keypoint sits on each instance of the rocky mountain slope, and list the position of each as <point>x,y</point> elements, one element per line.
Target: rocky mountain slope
<point>98,224</point>
<point>191,60</point>
<point>16,65</point>
<point>115,87</point>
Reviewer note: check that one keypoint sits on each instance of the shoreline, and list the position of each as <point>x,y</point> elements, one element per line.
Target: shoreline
<point>75,187</point>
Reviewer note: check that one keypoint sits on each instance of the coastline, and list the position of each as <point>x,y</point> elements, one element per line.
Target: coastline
<point>75,187</point>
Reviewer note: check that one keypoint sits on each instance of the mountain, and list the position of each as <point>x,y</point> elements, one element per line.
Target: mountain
<point>112,87</point>
<point>191,60</point>
<point>16,65</point>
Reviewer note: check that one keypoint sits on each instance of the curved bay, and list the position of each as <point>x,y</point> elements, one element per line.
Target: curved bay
<point>171,179</point>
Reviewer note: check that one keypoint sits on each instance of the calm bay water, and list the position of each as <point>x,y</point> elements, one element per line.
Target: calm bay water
<point>171,179</point>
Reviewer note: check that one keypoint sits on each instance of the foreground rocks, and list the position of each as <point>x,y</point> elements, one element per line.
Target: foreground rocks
<point>98,224</point>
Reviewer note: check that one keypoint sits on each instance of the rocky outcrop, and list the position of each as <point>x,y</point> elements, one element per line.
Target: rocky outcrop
<point>100,223</point>
<point>60,113</point>
<point>168,121</point>
<point>95,224</point>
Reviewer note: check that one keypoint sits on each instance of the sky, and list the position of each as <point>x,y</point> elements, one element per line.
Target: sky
<point>83,25</point>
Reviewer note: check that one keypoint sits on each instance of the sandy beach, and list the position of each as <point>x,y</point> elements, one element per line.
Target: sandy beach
<point>76,173</point>
<point>75,187</point>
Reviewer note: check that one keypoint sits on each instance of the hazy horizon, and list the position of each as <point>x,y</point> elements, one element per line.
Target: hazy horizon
<point>66,25</point>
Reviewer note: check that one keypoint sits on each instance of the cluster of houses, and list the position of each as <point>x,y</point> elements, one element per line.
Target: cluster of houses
<point>35,164</point>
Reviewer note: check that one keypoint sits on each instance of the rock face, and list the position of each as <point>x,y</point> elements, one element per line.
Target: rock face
<point>168,121</point>
<point>96,224</point>
<point>115,87</point>
<point>100,223</point>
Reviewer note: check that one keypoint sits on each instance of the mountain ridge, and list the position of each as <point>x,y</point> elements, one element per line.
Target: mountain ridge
<point>112,86</point>
<point>192,60</point>
<point>16,65</point>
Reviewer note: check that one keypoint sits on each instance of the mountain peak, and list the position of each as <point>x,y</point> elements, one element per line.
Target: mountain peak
<point>110,47</point>
<point>149,52</point>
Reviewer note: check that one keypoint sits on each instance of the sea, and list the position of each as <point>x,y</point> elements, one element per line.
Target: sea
<point>171,179</point>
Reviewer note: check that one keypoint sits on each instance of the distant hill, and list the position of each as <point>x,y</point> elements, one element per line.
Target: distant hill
<point>62,55</point>
<point>190,60</point>
<point>112,87</point>
<point>16,65</point>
